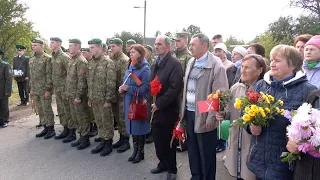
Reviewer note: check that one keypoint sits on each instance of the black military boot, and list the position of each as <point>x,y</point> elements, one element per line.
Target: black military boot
<point>98,139</point>
<point>71,136</point>
<point>140,154</point>
<point>149,138</point>
<point>84,143</point>
<point>119,143</point>
<point>51,133</point>
<point>107,148</point>
<point>93,130</point>
<point>99,148</point>
<point>135,147</point>
<point>125,145</point>
<point>77,142</point>
<point>63,134</point>
<point>43,132</point>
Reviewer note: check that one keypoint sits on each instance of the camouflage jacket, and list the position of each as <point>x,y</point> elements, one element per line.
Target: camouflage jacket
<point>183,56</point>
<point>150,60</point>
<point>60,61</point>
<point>5,79</point>
<point>121,63</point>
<point>101,78</point>
<point>76,86</point>
<point>40,67</point>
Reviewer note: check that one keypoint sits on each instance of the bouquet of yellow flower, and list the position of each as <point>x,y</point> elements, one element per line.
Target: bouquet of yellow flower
<point>257,109</point>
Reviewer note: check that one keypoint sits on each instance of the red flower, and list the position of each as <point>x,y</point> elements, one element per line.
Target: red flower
<point>155,86</point>
<point>253,96</point>
<point>178,132</point>
<point>250,91</point>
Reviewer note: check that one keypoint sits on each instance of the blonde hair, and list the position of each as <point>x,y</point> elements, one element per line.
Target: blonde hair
<point>291,55</point>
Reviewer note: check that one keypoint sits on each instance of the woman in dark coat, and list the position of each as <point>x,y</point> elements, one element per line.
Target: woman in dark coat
<point>137,128</point>
<point>287,82</point>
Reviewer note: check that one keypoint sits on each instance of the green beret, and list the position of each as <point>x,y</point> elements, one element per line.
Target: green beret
<point>104,45</point>
<point>55,39</point>
<point>64,49</point>
<point>85,49</point>
<point>95,41</point>
<point>37,40</point>
<point>75,41</point>
<point>116,41</point>
<point>149,47</point>
<point>1,52</point>
<point>20,47</point>
<point>131,41</point>
<point>181,35</point>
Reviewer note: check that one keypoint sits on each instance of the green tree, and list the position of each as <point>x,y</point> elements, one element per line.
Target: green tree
<point>283,30</point>
<point>125,36</point>
<point>312,6</point>
<point>192,29</point>
<point>157,33</point>
<point>169,34</point>
<point>231,40</point>
<point>307,25</point>
<point>266,40</point>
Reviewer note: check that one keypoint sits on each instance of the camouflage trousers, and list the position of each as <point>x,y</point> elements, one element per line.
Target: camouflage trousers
<point>63,108</point>
<point>91,115</point>
<point>80,112</point>
<point>104,121</point>
<point>118,113</point>
<point>44,109</point>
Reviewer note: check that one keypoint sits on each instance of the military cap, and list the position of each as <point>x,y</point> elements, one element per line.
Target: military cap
<point>181,35</point>
<point>149,47</point>
<point>75,41</point>
<point>85,49</point>
<point>1,52</point>
<point>131,41</point>
<point>56,39</point>
<point>20,47</point>
<point>117,41</point>
<point>104,45</point>
<point>95,41</point>
<point>37,40</point>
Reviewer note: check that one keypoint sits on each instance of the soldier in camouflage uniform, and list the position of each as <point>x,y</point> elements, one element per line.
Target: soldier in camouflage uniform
<point>93,127</point>
<point>60,61</point>
<point>101,78</point>
<point>129,44</point>
<point>121,62</point>
<point>77,93</point>
<point>40,67</point>
<point>149,54</point>
<point>105,49</point>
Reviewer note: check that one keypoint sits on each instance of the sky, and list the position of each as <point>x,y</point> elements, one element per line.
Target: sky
<point>244,19</point>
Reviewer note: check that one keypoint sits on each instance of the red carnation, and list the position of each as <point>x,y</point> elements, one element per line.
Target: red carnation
<point>155,86</point>
<point>253,97</point>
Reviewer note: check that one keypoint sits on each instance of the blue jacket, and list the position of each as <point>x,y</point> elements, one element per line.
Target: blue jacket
<point>265,150</point>
<point>313,75</point>
<point>142,71</point>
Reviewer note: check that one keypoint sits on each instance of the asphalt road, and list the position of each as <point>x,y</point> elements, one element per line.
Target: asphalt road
<point>23,157</point>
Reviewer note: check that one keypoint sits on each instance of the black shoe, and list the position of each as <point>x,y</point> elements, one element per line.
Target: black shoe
<point>171,176</point>
<point>84,143</point>
<point>51,133</point>
<point>4,125</point>
<point>135,148</point>
<point>93,130</point>
<point>157,170</point>
<point>119,143</point>
<point>107,148</point>
<point>97,139</point>
<point>71,136</point>
<point>125,145</point>
<point>77,142</point>
<point>220,149</point>
<point>182,146</point>
<point>43,132</point>
<point>99,148</point>
<point>149,140</point>
<point>63,134</point>
<point>140,154</point>
<point>21,104</point>
<point>38,126</point>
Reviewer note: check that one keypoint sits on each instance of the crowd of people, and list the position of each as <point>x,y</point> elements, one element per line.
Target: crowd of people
<point>97,87</point>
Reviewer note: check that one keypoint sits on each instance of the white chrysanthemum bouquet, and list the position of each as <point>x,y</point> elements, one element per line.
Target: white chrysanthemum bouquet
<point>304,130</point>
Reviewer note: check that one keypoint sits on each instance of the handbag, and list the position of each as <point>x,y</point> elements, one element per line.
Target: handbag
<point>138,108</point>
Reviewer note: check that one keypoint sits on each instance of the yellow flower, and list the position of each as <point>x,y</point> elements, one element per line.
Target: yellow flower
<point>265,97</point>
<point>278,109</point>
<point>255,108</point>
<point>282,112</point>
<point>271,98</point>
<point>246,118</point>
<point>238,100</point>
<point>268,110</point>
<point>247,109</point>
<point>262,112</point>
<point>262,94</point>
<point>251,113</point>
<point>281,102</point>
<point>237,105</point>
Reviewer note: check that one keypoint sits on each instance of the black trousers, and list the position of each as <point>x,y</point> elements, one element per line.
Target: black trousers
<point>162,134</point>
<point>201,151</point>
<point>23,91</point>
<point>4,110</point>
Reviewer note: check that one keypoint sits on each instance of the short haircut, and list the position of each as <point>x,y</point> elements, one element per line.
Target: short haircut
<point>260,63</point>
<point>167,41</point>
<point>291,54</point>
<point>203,38</point>
<point>304,38</point>
<point>259,49</point>
<point>217,36</point>
<point>140,50</point>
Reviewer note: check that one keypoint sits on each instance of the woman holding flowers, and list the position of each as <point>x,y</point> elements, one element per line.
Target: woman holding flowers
<point>286,82</point>
<point>253,68</point>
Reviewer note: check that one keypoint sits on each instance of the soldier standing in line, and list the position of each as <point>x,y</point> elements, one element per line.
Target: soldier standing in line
<point>77,93</point>
<point>5,90</point>
<point>60,61</point>
<point>149,54</point>
<point>41,87</point>
<point>121,63</point>
<point>129,43</point>
<point>101,78</point>
<point>93,127</point>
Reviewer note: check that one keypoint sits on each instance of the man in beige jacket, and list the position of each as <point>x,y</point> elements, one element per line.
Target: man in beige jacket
<point>204,74</point>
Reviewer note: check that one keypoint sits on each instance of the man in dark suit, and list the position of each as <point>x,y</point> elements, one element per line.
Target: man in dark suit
<point>166,107</point>
<point>20,74</point>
